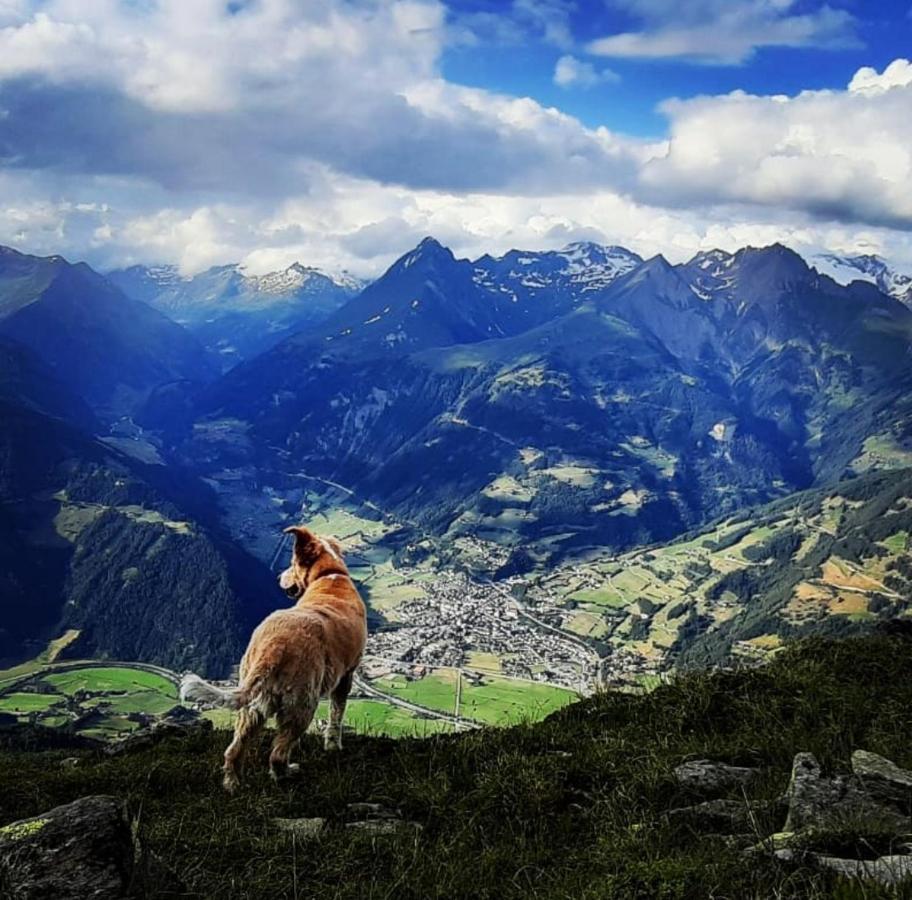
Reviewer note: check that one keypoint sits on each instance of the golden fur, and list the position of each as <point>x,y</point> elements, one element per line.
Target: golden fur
<point>295,657</point>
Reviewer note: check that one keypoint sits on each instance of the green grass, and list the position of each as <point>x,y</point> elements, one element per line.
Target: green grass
<point>119,690</point>
<point>22,703</point>
<point>368,717</point>
<point>501,701</point>
<point>433,691</point>
<point>371,717</point>
<point>493,701</point>
<point>571,807</point>
<point>110,678</point>
<point>898,542</point>
<point>604,596</point>
<point>151,702</point>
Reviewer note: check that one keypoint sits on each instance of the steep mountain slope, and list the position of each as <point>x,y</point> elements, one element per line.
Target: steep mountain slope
<point>129,555</point>
<point>825,561</point>
<point>866,267</point>
<point>111,350</point>
<point>26,381</point>
<point>672,395</point>
<point>236,316</point>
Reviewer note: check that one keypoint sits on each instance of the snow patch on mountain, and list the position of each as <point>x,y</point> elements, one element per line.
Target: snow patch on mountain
<point>579,267</point>
<point>865,267</point>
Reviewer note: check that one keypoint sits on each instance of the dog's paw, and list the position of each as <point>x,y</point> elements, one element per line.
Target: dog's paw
<point>231,782</point>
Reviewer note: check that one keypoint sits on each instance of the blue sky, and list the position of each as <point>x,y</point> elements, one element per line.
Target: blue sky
<point>876,33</point>
<point>341,132</point>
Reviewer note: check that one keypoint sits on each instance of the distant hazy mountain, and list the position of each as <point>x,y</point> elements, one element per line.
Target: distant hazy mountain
<point>107,348</point>
<point>236,315</point>
<point>866,267</point>
<point>131,556</point>
<point>463,396</point>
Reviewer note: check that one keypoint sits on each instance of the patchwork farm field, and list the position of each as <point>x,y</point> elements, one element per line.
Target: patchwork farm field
<point>489,699</point>
<point>367,717</point>
<point>833,559</point>
<point>97,701</point>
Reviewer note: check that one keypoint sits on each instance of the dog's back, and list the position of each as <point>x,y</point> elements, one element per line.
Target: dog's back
<point>308,647</point>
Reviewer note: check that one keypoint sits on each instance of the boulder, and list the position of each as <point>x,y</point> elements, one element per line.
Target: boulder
<point>83,849</point>
<point>707,777</point>
<point>886,870</point>
<point>816,802</point>
<point>884,780</point>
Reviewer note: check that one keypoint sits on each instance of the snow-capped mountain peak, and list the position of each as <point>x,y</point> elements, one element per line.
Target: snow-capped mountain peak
<point>579,267</point>
<point>865,267</point>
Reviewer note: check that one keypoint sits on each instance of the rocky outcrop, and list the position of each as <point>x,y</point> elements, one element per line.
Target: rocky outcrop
<point>707,777</point>
<point>818,802</point>
<point>875,799</point>
<point>873,803</point>
<point>72,852</point>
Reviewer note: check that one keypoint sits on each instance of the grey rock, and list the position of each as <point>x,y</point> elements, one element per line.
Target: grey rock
<point>887,870</point>
<point>708,777</point>
<point>302,828</point>
<point>73,852</point>
<point>385,826</point>
<point>723,816</point>
<point>817,802</point>
<point>884,780</point>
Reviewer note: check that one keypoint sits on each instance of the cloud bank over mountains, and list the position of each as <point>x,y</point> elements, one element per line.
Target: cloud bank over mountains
<point>273,130</point>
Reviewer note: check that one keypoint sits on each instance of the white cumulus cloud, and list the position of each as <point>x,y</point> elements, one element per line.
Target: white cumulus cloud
<point>325,131</point>
<point>570,71</point>
<point>842,155</point>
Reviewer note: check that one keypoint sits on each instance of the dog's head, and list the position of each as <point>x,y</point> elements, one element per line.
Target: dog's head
<point>308,552</point>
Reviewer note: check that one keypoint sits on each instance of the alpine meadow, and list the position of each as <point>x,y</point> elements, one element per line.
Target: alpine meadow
<point>562,349</point>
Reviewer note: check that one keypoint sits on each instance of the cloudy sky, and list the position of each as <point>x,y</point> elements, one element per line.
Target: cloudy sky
<point>340,132</point>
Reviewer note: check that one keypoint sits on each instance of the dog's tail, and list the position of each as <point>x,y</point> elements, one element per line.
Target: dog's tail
<point>196,690</point>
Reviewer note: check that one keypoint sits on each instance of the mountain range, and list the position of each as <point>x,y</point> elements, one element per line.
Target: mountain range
<point>111,350</point>
<point>618,414</point>
<point>236,315</point>
<point>547,406</point>
<point>866,267</point>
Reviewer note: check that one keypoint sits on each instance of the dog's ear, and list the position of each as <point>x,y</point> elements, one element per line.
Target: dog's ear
<point>335,544</point>
<point>306,546</point>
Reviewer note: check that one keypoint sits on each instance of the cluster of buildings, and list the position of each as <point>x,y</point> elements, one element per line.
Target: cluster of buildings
<point>457,617</point>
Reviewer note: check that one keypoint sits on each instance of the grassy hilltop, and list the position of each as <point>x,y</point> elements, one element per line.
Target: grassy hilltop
<point>573,806</point>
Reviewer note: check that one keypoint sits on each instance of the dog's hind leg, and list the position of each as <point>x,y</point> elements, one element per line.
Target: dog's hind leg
<point>248,725</point>
<point>332,737</point>
<point>292,720</point>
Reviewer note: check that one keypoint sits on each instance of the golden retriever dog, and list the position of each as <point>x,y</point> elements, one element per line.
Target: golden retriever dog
<point>295,657</point>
